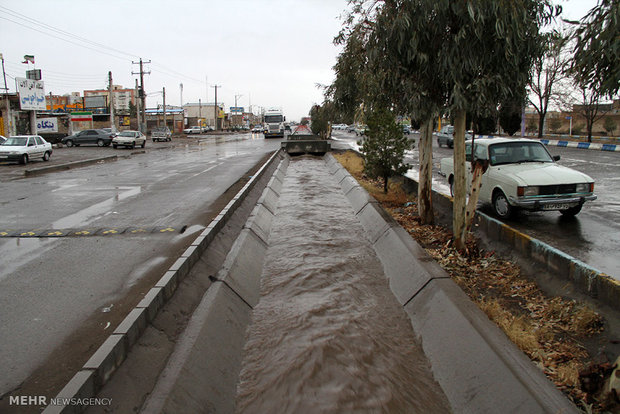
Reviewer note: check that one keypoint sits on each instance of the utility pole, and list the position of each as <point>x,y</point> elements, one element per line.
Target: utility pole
<point>217,109</point>
<point>7,117</point>
<point>111,93</point>
<point>142,93</point>
<point>181,88</point>
<point>237,96</point>
<point>138,108</point>
<point>164,92</point>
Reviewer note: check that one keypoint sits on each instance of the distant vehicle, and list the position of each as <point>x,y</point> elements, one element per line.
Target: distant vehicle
<point>161,134</point>
<point>98,137</point>
<point>193,130</point>
<point>23,148</point>
<point>350,128</point>
<point>129,139</point>
<point>406,129</point>
<point>523,175</point>
<point>445,136</point>
<point>273,126</point>
<point>258,129</point>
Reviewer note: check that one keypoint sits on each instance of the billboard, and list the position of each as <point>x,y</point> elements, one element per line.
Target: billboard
<point>95,101</point>
<point>31,94</point>
<point>47,125</point>
<point>236,110</point>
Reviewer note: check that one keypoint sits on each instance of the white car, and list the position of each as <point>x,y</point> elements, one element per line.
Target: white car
<point>193,130</point>
<point>129,139</point>
<point>23,148</point>
<point>523,175</point>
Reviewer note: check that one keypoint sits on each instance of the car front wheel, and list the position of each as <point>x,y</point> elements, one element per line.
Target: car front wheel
<point>501,206</point>
<point>100,143</point>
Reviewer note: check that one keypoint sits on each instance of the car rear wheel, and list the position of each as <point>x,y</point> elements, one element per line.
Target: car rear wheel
<point>69,143</point>
<point>100,143</point>
<point>46,156</point>
<point>501,206</point>
<point>23,159</point>
<point>572,211</point>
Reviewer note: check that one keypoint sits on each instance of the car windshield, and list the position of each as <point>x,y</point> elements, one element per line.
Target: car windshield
<point>273,119</point>
<point>16,142</point>
<point>518,152</point>
<point>127,134</point>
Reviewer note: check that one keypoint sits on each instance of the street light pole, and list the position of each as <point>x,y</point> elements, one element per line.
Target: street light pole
<point>217,109</point>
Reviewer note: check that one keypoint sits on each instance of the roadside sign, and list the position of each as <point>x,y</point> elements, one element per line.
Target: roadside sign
<point>81,116</point>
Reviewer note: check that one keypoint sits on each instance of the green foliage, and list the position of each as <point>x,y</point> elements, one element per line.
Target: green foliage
<point>609,125</point>
<point>320,119</point>
<point>384,146</point>
<point>510,115</point>
<point>596,63</point>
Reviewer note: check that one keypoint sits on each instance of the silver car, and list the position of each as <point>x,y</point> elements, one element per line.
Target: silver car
<point>129,139</point>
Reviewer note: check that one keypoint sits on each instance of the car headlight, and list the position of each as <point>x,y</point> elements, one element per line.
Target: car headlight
<point>528,191</point>
<point>584,188</point>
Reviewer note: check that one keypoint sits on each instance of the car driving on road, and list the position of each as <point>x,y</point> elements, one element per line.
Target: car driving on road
<point>129,139</point>
<point>522,174</point>
<point>23,148</point>
<point>98,137</point>
<point>193,130</point>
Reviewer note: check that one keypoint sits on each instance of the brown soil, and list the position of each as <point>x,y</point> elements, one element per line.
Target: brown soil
<point>552,331</point>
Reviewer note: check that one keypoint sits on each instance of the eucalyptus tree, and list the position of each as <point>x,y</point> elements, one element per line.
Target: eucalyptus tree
<point>489,51</point>
<point>597,49</point>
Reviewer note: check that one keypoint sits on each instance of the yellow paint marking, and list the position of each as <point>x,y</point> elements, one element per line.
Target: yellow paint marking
<point>3,233</point>
<point>28,233</point>
<point>138,231</point>
<point>110,232</point>
<point>54,233</point>
<point>166,229</point>
<point>82,233</point>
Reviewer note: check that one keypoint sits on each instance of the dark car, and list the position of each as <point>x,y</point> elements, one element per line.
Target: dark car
<point>98,137</point>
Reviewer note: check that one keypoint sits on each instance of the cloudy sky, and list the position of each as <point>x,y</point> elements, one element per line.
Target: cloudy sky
<point>267,53</point>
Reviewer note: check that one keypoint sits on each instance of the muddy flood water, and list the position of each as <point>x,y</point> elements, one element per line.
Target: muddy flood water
<point>328,336</point>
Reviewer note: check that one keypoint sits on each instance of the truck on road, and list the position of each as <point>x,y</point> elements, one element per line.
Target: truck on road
<point>273,123</point>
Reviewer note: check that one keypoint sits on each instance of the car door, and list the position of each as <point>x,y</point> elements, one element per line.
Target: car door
<point>31,148</point>
<point>40,146</point>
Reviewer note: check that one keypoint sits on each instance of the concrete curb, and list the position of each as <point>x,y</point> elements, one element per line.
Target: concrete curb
<point>99,368</point>
<point>482,370</point>
<point>69,165</point>
<point>589,280</point>
<point>581,145</point>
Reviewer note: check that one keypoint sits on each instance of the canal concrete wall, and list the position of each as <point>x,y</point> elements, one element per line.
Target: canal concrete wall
<point>478,368</point>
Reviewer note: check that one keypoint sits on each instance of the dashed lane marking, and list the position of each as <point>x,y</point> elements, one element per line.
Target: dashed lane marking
<point>87,232</point>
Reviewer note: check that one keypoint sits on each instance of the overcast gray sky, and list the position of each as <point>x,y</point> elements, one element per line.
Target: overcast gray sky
<point>272,52</point>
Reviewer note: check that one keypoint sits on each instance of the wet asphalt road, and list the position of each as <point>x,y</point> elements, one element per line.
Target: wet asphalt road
<point>592,236</point>
<point>118,221</point>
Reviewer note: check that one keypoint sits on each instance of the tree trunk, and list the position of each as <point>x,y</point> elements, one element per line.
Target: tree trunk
<point>425,199</point>
<point>460,186</point>
<point>385,183</point>
<point>541,124</point>
<point>479,168</point>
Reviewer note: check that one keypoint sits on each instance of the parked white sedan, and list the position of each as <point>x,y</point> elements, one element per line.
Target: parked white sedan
<point>23,148</point>
<point>523,175</point>
<point>129,139</point>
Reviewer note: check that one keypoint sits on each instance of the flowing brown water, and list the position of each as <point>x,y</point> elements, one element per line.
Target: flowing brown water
<point>328,336</point>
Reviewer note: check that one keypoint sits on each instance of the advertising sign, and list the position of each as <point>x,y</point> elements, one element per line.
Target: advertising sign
<point>47,125</point>
<point>236,109</point>
<point>95,101</point>
<point>31,94</point>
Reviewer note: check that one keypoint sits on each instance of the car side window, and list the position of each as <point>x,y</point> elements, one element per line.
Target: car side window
<point>38,140</point>
<point>480,152</point>
<point>467,151</point>
<point>91,132</point>
<point>31,142</point>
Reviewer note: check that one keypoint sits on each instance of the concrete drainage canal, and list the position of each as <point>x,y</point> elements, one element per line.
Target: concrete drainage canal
<point>310,298</point>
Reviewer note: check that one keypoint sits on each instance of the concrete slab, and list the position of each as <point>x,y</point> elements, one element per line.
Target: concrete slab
<point>205,367</point>
<point>107,358</point>
<point>358,197</point>
<point>152,302</point>
<point>269,199</point>
<point>477,366</point>
<point>260,222</point>
<point>399,254</point>
<point>243,266</point>
<point>348,183</point>
<point>375,221</point>
<point>132,326</point>
<point>81,386</point>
